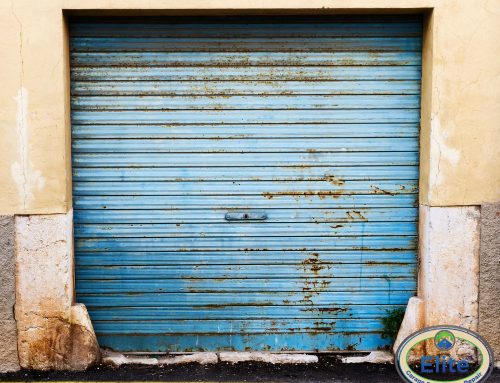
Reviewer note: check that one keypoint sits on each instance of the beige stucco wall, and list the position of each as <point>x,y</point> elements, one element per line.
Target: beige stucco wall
<point>460,161</point>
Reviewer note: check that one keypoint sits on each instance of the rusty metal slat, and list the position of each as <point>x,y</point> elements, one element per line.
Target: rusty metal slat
<point>268,189</point>
<point>227,102</point>
<point>242,173</point>
<point>244,44</point>
<point>283,215</point>
<point>253,116</point>
<point>265,73</point>
<point>248,145</point>
<point>225,257</point>
<point>388,242</point>
<point>229,299</point>
<point>235,87</point>
<point>286,342</point>
<point>150,59</point>
<point>244,229</point>
<point>221,159</point>
<point>249,202</point>
<point>348,311</point>
<point>316,285</point>
<point>255,326</point>
<point>310,267</point>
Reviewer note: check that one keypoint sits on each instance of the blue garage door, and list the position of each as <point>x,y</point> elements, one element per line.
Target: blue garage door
<point>245,184</point>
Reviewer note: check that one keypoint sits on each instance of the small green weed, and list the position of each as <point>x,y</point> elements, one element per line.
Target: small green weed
<point>392,323</point>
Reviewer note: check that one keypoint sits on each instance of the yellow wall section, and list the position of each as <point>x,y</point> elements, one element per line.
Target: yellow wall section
<point>461,94</point>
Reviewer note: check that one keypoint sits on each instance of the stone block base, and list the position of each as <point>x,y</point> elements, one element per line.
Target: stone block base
<point>8,350</point>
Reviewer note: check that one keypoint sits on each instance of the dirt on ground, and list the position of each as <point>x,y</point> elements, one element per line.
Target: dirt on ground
<point>329,369</point>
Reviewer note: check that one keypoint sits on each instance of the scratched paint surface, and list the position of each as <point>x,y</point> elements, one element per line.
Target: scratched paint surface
<point>310,123</point>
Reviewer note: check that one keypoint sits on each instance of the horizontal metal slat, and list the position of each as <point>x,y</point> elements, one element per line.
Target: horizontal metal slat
<point>148,59</point>
<point>244,44</point>
<point>378,116</point>
<point>346,311</point>
<point>209,88</point>
<point>231,299</point>
<point>228,102</point>
<point>263,243</point>
<point>307,271</point>
<point>243,229</point>
<point>292,131</point>
<point>249,202</point>
<point>299,189</point>
<point>256,326</point>
<point>278,257</point>
<point>207,216</point>
<point>304,342</point>
<point>176,160</point>
<point>183,174</point>
<point>312,28</point>
<point>244,145</point>
<point>269,73</point>
<point>314,286</point>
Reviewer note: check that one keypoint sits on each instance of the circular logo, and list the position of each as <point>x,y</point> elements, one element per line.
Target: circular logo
<point>444,340</point>
<point>444,354</point>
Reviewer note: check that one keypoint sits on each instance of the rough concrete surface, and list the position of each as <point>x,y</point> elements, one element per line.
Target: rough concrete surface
<point>199,357</point>
<point>8,331</point>
<point>117,359</point>
<point>267,357</point>
<point>449,265</point>
<point>53,333</point>
<point>489,277</point>
<point>8,346</point>
<point>413,321</point>
<point>85,350</point>
<point>372,357</point>
<point>7,267</point>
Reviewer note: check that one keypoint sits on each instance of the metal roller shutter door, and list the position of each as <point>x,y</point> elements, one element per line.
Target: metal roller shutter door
<point>312,124</point>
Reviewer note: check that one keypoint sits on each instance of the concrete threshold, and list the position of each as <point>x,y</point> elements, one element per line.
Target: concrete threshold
<point>117,359</point>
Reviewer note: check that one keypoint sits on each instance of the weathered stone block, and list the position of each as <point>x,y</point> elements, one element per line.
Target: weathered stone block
<point>53,332</point>
<point>85,350</point>
<point>9,360</point>
<point>449,265</point>
<point>44,265</point>
<point>8,332</point>
<point>489,282</point>
<point>7,268</point>
<point>413,321</point>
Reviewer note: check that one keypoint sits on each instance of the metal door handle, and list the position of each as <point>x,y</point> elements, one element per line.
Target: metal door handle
<point>246,216</point>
